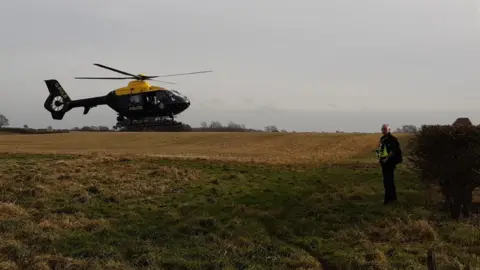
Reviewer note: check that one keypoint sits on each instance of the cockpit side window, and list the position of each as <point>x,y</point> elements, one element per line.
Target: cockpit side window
<point>179,95</point>
<point>176,93</point>
<point>171,95</point>
<point>162,96</point>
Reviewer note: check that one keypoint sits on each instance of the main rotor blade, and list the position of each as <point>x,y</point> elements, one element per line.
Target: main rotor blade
<point>205,71</point>
<point>106,78</point>
<point>163,81</point>
<point>115,70</point>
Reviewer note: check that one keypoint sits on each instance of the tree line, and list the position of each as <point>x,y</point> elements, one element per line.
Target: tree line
<point>204,126</point>
<point>213,126</point>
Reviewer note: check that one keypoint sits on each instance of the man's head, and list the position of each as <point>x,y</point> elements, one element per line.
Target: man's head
<point>385,129</point>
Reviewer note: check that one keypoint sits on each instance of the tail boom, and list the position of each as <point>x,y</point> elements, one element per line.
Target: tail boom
<point>88,103</point>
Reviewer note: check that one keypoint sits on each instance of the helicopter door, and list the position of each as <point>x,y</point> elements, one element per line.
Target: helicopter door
<point>151,101</point>
<point>136,103</point>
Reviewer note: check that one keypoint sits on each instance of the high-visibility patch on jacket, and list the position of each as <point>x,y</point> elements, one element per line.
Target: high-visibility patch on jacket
<point>382,151</point>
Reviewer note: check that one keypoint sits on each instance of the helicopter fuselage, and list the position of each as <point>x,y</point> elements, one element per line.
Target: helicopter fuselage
<point>138,99</point>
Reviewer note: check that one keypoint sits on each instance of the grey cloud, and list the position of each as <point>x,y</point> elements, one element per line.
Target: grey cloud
<point>397,55</point>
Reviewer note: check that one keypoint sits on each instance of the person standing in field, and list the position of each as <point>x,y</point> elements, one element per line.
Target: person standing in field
<point>389,154</point>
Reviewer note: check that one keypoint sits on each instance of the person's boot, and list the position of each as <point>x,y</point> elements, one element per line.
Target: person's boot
<point>386,200</point>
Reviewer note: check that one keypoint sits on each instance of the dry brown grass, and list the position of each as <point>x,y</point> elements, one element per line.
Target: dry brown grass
<point>107,211</point>
<point>279,148</point>
<point>10,210</point>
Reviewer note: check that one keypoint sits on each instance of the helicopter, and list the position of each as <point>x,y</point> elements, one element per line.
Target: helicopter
<point>137,100</point>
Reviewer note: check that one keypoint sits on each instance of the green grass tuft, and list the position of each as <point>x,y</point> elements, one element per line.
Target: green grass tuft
<point>148,213</point>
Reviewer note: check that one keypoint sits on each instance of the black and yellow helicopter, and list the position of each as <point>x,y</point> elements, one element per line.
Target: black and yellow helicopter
<point>137,100</point>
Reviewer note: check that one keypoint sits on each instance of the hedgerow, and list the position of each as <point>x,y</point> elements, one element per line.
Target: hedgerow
<point>449,157</point>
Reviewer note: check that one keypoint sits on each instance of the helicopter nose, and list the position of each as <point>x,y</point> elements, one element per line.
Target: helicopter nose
<point>183,106</point>
<point>180,107</point>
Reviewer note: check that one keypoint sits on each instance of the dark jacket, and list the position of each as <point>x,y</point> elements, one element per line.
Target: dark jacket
<point>392,145</point>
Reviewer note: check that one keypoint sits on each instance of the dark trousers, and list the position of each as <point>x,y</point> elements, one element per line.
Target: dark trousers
<point>388,171</point>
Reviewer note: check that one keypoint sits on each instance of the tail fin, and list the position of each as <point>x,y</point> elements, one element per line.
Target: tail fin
<point>58,102</point>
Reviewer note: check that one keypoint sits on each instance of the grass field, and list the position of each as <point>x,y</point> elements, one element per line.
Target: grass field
<point>232,201</point>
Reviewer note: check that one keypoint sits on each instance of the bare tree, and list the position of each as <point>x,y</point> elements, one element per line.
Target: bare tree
<point>271,128</point>
<point>3,121</point>
<point>407,129</point>
<point>215,124</point>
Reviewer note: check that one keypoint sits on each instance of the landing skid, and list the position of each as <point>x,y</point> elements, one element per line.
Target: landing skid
<point>151,124</point>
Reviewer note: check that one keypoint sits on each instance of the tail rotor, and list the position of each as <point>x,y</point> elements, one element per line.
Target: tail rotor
<point>58,102</point>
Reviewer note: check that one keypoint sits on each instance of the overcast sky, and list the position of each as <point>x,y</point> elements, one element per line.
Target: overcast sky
<point>304,65</point>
